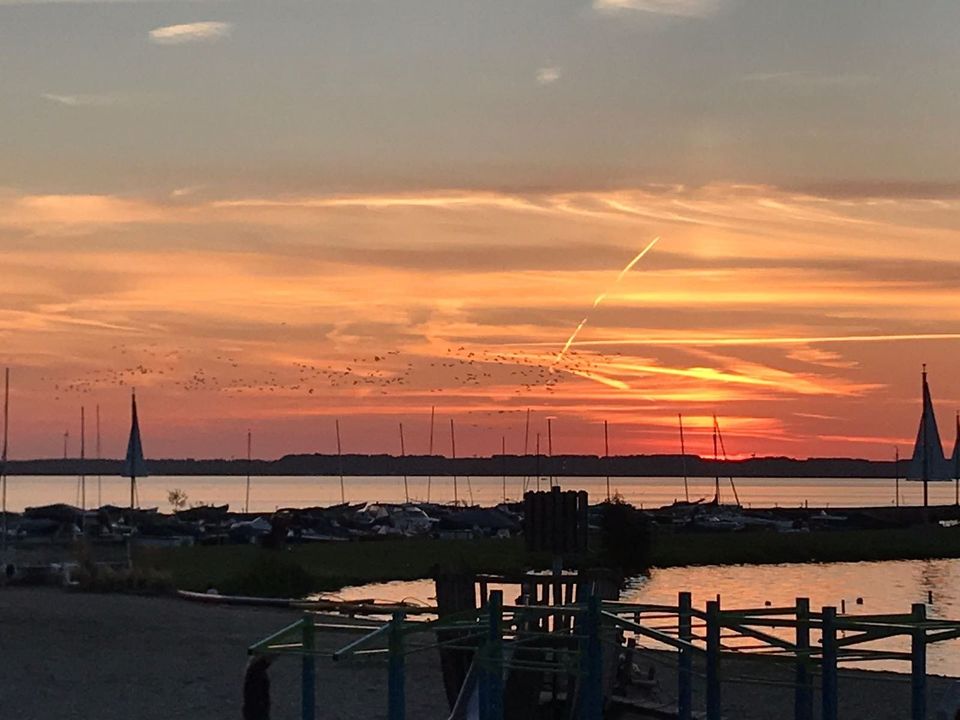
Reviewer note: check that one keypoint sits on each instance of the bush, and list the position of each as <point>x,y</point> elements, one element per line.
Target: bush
<point>272,575</point>
<point>625,537</point>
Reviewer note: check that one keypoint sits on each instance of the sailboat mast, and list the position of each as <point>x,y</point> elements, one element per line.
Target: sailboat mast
<point>956,464</point>
<point>343,491</point>
<point>246,501</point>
<point>453,455</point>
<point>3,457</point>
<point>403,455</point>
<point>716,465</point>
<point>550,448</point>
<point>99,472</point>
<point>606,455</point>
<point>683,457</point>
<point>723,450</point>
<point>896,472</point>
<point>433,412</point>
<point>83,457</point>
<point>503,465</point>
<point>538,462</point>
<point>926,450</point>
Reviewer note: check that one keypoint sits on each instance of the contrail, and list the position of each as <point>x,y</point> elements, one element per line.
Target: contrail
<point>744,341</point>
<point>602,296</point>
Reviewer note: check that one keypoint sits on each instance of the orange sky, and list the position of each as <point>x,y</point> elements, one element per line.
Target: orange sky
<point>801,320</point>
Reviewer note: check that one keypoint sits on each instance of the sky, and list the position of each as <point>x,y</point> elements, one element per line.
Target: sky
<point>269,216</point>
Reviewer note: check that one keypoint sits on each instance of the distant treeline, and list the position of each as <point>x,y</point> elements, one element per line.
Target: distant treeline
<point>512,465</point>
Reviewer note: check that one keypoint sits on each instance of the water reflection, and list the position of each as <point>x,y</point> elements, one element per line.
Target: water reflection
<point>883,587</point>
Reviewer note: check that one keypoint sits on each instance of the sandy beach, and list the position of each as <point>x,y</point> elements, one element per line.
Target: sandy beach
<point>120,657</point>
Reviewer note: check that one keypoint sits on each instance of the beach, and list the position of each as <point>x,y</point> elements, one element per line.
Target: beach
<point>120,657</point>
<point>70,655</point>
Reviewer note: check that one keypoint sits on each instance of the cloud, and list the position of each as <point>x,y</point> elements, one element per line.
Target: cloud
<point>85,2</point>
<point>681,8</point>
<point>208,31</point>
<point>548,75</point>
<point>79,100</point>
<point>803,77</point>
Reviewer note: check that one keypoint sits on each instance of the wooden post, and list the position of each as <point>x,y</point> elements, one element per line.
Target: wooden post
<point>685,660</point>
<point>591,660</point>
<point>308,672</point>
<point>803,685</point>
<point>714,704</point>
<point>918,664</point>
<point>396,690</point>
<point>829,640</point>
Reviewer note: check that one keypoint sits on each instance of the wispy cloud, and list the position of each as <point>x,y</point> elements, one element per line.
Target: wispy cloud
<point>87,2</point>
<point>548,75</point>
<point>803,77</point>
<point>79,100</point>
<point>682,8</point>
<point>208,31</point>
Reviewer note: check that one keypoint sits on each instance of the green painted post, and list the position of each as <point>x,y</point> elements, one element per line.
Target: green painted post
<point>829,670</point>
<point>803,682</point>
<point>396,681</point>
<point>591,663</point>
<point>494,671</point>
<point>308,671</point>
<point>685,659</point>
<point>714,703</point>
<point>918,664</point>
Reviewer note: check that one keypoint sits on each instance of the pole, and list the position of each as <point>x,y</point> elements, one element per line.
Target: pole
<point>896,470</point>
<point>526,450</point>
<point>3,457</point>
<point>829,663</point>
<point>453,454</point>
<point>99,471</point>
<point>503,464</point>
<point>685,660</point>
<point>716,464</point>
<point>591,659</point>
<point>494,653</point>
<point>956,465</point>
<point>550,447</point>
<point>606,455</point>
<point>246,504</point>
<point>918,664</point>
<point>926,451</point>
<point>83,457</point>
<point>66,437</point>
<point>538,462</point>
<point>803,682</point>
<point>403,455</point>
<point>683,456</point>
<point>433,409</point>
<point>343,491</point>
<point>308,672</point>
<point>396,679</point>
<point>714,703</point>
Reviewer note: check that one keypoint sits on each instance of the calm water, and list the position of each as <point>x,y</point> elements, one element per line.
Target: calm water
<point>269,493</point>
<point>885,587</point>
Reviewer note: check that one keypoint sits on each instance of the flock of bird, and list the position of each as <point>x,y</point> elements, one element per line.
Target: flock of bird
<point>393,371</point>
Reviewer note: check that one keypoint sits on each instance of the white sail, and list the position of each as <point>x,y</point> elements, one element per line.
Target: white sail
<point>928,461</point>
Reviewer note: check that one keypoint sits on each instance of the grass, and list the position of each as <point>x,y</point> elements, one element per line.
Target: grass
<point>248,569</point>
<point>755,548</point>
<point>251,570</point>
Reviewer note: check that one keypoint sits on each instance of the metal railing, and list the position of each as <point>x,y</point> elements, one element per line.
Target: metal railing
<point>815,643</point>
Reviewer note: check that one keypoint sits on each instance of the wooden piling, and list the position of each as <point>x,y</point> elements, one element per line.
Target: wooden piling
<point>918,663</point>
<point>803,683</point>
<point>829,663</point>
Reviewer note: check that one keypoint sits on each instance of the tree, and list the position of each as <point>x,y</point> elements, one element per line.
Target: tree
<point>177,498</point>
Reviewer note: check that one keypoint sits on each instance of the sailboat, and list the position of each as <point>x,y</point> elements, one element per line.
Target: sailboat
<point>928,462</point>
<point>955,461</point>
<point>134,466</point>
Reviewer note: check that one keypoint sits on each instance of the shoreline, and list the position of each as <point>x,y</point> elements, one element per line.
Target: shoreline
<point>118,656</point>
